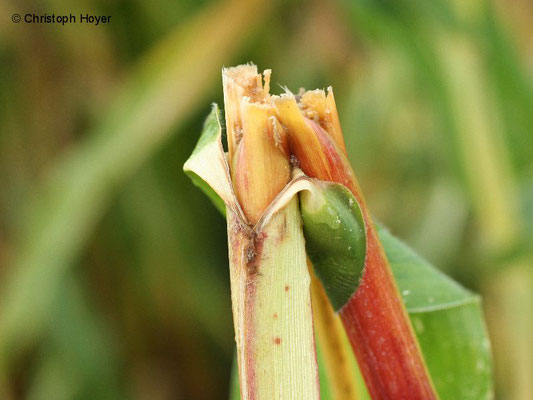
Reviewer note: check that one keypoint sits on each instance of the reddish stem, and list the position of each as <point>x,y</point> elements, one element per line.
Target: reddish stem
<point>375,318</point>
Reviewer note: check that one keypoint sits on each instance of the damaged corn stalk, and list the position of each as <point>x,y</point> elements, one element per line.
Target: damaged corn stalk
<point>270,283</point>
<point>284,178</point>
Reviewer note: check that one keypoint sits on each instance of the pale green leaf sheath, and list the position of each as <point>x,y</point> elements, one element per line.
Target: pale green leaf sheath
<point>272,308</point>
<point>270,285</point>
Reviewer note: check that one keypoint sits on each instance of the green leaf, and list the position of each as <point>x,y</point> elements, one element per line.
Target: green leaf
<point>448,321</point>
<point>210,136</point>
<point>208,168</point>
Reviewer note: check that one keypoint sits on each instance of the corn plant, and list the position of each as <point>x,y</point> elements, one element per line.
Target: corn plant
<point>300,233</point>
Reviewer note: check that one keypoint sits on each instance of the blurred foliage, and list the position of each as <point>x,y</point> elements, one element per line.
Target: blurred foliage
<point>113,267</point>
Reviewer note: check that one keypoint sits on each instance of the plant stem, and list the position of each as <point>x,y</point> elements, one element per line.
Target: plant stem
<point>269,279</point>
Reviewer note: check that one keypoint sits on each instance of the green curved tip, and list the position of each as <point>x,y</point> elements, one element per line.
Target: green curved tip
<point>335,239</point>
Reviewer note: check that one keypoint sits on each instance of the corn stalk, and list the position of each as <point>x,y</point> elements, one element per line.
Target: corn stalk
<point>270,283</point>
<point>269,279</point>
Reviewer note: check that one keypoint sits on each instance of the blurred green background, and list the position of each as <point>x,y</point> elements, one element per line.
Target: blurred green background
<point>113,267</point>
